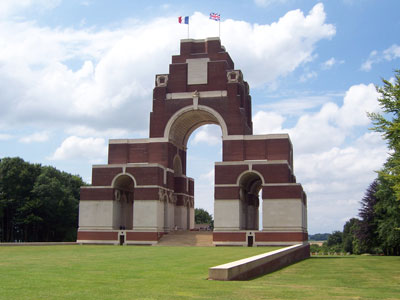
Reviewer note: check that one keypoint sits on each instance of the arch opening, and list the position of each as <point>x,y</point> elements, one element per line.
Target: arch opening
<point>184,122</point>
<point>123,205</point>
<point>204,149</point>
<point>180,128</point>
<point>250,185</point>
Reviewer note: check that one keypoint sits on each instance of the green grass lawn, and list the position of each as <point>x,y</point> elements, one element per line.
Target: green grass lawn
<point>115,272</point>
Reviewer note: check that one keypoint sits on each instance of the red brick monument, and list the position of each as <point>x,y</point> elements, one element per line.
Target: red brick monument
<point>143,192</point>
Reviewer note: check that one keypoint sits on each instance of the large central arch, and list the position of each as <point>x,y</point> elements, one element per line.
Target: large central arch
<point>202,87</point>
<point>181,125</point>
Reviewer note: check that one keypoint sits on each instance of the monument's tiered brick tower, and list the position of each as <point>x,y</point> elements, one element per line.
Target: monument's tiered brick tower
<point>143,192</point>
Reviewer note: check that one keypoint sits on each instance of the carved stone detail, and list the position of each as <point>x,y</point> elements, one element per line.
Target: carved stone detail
<point>196,94</point>
<point>171,198</point>
<point>161,194</point>
<point>234,76</point>
<point>162,80</point>
<point>117,195</point>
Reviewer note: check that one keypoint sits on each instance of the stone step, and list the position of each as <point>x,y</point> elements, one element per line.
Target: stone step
<point>187,238</point>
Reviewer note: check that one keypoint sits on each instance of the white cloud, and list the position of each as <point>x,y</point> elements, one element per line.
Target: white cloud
<point>334,164</point>
<point>112,88</point>
<point>85,131</point>
<point>95,83</point>
<point>35,137</point>
<point>76,148</point>
<point>10,7</point>
<point>5,136</point>
<point>86,3</point>
<point>204,191</point>
<point>204,195</point>
<point>367,65</point>
<point>344,166</point>
<point>308,76</point>
<point>327,128</point>
<point>280,47</point>
<point>391,53</point>
<point>359,100</point>
<point>317,131</point>
<point>330,63</point>
<point>335,180</point>
<point>296,106</point>
<point>208,177</point>
<point>208,134</point>
<point>267,122</point>
<point>265,3</point>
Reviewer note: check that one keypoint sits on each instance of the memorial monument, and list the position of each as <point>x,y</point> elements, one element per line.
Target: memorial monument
<point>143,192</point>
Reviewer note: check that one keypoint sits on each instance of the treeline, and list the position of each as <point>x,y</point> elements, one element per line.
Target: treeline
<point>37,203</point>
<point>201,216</point>
<point>319,236</point>
<point>377,230</point>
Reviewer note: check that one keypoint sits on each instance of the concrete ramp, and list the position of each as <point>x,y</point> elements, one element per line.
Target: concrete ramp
<point>187,238</point>
<point>260,264</point>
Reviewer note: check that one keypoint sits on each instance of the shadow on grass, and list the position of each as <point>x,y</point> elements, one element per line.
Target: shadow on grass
<point>288,266</point>
<point>257,276</point>
<point>272,271</point>
<point>330,257</point>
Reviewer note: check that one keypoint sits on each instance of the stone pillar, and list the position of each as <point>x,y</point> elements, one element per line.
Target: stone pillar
<point>96,215</point>
<point>227,215</point>
<point>282,215</point>
<point>180,217</point>
<point>146,214</point>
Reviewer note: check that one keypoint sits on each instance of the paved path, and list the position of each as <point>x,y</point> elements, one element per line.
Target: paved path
<point>187,238</point>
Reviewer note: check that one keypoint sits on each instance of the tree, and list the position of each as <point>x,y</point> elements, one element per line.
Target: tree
<point>319,236</point>
<point>56,192</point>
<point>387,208</point>
<point>334,242</point>
<point>37,203</point>
<point>389,126</point>
<point>17,178</point>
<point>366,232</point>
<point>336,238</point>
<point>387,216</point>
<point>202,216</point>
<point>349,235</point>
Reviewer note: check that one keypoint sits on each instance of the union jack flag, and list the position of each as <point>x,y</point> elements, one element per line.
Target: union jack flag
<point>215,16</point>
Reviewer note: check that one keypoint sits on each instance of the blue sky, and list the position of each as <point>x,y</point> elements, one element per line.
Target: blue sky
<point>74,74</point>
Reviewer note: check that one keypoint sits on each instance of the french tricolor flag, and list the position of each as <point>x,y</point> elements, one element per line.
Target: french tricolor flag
<point>183,20</point>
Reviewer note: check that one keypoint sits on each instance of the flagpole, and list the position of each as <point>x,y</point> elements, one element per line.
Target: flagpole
<point>188,30</point>
<point>217,17</point>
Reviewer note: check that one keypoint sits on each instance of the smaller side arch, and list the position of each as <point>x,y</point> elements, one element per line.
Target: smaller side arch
<point>123,205</point>
<point>177,164</point>
<point>248,172</point>
<point>250,183</point>
<point>120,174</point>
